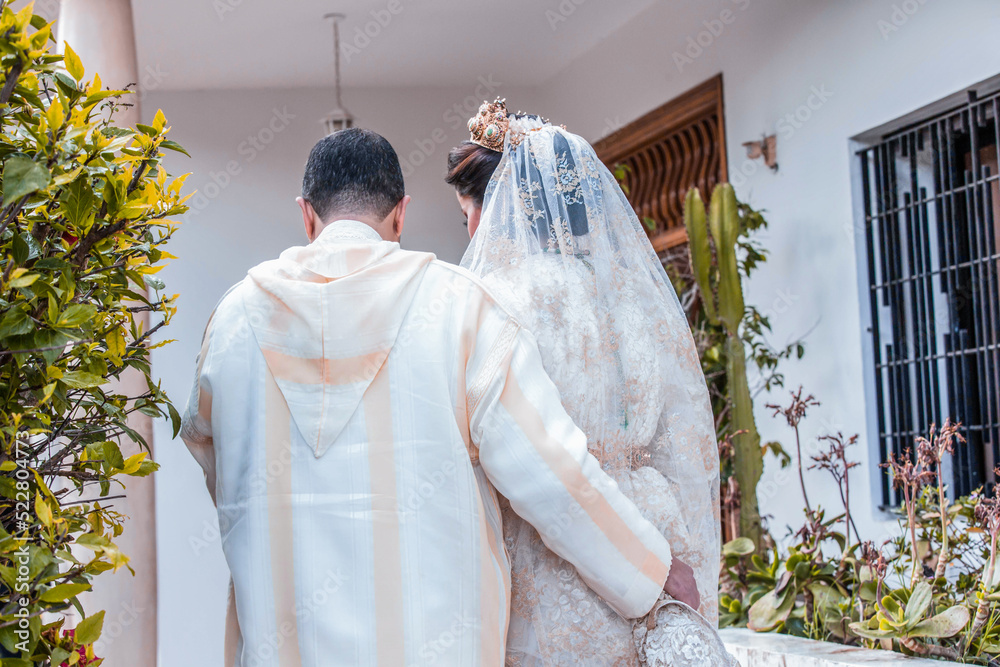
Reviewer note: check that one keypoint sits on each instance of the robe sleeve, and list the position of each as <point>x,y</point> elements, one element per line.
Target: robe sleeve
<point>537,458</point>
<point>196,424</point>
<point>196,432</point>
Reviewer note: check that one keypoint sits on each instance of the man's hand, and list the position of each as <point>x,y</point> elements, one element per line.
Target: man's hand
<point>681,585</point>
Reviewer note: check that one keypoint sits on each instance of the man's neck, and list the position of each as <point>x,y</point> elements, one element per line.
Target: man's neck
<point>351,228</point>
<point>380,227</point>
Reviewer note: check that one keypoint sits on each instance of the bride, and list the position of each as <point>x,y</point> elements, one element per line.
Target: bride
<point>556,241</point>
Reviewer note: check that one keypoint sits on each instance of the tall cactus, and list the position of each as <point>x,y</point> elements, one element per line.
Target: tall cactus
<point>718,280</point>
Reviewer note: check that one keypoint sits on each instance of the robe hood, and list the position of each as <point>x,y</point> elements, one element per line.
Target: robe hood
<point>326,317</point>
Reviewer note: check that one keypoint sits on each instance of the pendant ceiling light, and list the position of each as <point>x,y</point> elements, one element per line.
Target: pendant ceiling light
<point>339,118</point>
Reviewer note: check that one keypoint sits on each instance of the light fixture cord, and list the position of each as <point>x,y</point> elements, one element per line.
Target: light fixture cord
<point>336,57</point>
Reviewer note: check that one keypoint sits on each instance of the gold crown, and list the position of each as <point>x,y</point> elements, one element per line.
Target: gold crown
<point>489,126</point>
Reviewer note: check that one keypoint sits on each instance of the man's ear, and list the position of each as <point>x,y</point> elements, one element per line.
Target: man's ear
<point>310,220</point>
<point>400,217</point>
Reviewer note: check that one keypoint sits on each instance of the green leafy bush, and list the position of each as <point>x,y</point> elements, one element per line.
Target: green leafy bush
<point>931,591</point>
<point>85,211</point>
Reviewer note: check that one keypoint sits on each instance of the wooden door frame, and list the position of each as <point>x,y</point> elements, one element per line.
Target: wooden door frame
<point>690,106</point>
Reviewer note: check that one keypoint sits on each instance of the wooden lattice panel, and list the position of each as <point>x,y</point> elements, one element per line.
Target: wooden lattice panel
<point>668,151</point>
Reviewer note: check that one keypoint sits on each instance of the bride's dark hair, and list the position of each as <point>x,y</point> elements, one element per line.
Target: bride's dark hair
<point>470,167</point>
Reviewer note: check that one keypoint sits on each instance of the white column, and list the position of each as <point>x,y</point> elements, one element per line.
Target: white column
<point>102,33</point>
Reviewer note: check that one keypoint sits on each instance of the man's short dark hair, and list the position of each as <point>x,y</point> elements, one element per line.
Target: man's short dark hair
<point>353,171</point>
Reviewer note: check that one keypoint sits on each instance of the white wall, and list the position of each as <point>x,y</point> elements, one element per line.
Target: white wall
<point>773,54</point>
<point>872,61</point>
<point>245,213</point>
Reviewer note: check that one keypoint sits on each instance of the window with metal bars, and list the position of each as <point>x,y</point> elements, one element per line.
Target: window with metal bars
<point>932,229</point>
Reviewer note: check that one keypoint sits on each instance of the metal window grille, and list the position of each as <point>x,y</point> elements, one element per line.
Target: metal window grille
<point>932,227</point>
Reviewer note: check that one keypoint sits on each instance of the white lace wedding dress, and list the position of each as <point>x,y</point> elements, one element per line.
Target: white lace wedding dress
<point>555,617</point>
<point>561,248</point>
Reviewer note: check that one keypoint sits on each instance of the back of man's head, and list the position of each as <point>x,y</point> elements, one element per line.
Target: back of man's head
<point>353,173</point>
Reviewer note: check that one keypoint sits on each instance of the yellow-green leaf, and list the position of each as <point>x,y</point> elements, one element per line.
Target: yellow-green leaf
<point>116,344</point>
<point>14,323</point>
<point>94,542</point>
<point>47,392</point>
<point>22,176</point>
<point>23,17</point>
<point>95,86</point>
<point>42,510</point>
<point>55,114</point>
<point>73,64</point>
<point>946,624</point>
<point>133,462</point>
<point>62,592</point>
<point>76,315</point>
<point>741,546</point>
<point>82,380</point>
<point>67,177</point>
<point>24,280</point>
<point>89,629</point>
<point>159,120</point>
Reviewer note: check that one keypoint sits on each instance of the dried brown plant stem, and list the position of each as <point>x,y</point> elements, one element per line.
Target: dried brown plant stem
<point>933,450</point>
<point>802,481</point>
<point>835,461</point>
<point>912,523</point>
<point>944,554</point>
<point>793,414</point>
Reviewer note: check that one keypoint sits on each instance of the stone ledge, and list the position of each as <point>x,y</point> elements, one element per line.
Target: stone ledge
<point>766,649</point>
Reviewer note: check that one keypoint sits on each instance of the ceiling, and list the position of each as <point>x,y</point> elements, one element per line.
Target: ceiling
<point>204,44</point>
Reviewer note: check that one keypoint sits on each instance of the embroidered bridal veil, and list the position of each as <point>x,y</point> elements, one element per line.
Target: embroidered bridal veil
<point>560,246</point>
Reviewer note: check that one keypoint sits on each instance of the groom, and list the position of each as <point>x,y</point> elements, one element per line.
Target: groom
<point>357,410</point>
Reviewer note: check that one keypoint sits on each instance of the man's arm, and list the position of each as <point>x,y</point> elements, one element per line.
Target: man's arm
<point>196,424</point>
<point>196,432</point>
<point>537,458</point>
